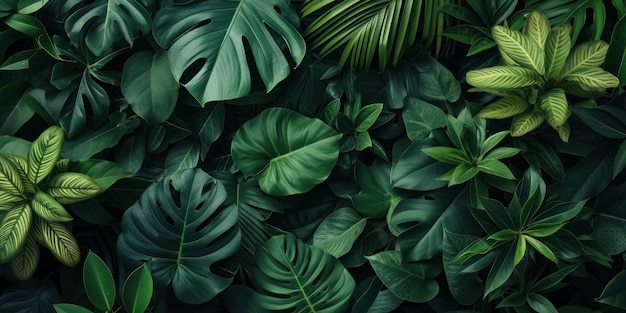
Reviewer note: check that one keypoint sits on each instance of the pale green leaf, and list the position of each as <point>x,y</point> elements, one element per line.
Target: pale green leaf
<point>589,79</point>
<point>21,165</point>
<point>504,108</point>
<point>44,153</point>
<point>564,132</point>
<point>10,180</point>
<point>520,250</point>
<point>14,228</point>
<point>71,187</point>
<point>58,239</point>
<point>462,173</point>
<point>526,122</point>
<point>537,27</point>
<point>558,46</point>
<point>503,77</point>
<point>585,55</point>
<point>554,105</point>
<point>48,208</point>
<point>520,48</point>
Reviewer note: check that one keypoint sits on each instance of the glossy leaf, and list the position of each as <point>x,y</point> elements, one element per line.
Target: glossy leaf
<point>338,232</point>
<point>14,228</point>
<point>537,27</point>
<point>137,290</point>
<point>188,231</point>
<point>421,118</point>
<point>44,153</point>
<point>212,34</point>
<point>70,308</point>
<point>21,164</point>
<point>592,79</point>
<point>99,283</point>
<point>58,239</point>
<point>292,275</point>
<point>283,147</point>
<point>103,172</point>
<point>17,107</point>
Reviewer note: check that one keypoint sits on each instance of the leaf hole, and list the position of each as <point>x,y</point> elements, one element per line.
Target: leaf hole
<point>192,70</point>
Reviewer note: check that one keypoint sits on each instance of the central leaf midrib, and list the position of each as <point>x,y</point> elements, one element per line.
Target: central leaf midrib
<point>226,33</point>
<point>300,287</point>
<point>182,238</point>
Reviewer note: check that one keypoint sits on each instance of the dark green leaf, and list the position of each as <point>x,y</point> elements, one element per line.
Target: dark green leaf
<point>184,154</point>
<point>616,54</point>
<point>540,303</point>
<point>88,143</point>
<point>420,118</point>
<point>70,308</point>
<point>589,176</point>
<point>16,108</point>
<point>338,232</point>
<point>614,293</point>
<point>208,124</point>
<point>501,270</point>
<point>99,283</point>
<point>466,288</point>
<point>137,290</point>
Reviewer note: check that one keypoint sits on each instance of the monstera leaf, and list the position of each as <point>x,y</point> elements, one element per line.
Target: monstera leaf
<point>105,23</point>
<point>295,277</point>
<point>179,225</point>
<point>206,40</point>
<point>289,152</point>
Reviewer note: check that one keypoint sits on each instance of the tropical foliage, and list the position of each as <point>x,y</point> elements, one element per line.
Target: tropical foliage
<point>312,156</point>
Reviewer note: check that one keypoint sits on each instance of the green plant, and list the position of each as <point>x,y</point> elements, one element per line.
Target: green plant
<point>539,68</point>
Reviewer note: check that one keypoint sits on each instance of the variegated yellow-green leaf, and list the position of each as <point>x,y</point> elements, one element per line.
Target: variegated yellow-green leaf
<point>44,153</point>
<point>501,92</point>
<point>587,54</point>
<point>62,165</point>
<point>9,200</point>
<point>564,132</point>
<point>58,239</point>
<point>10,178</point>
<point>507,60</point>
<point>25,261</point>
<point>591,79</point>
<point>537,27</point>
<point>503,77</point>
<point>48,208</point>
<point>526,122</point>
<point>72,187</point>
<point>558,46</point>
<point>519,47</point>
<point>554,105</point>
<point>504,108</point>
<point>14,228</point>
<point>21,165</point>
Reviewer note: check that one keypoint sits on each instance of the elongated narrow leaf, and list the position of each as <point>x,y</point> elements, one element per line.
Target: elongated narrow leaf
<point>58,239</point>
<point>48,208</point>
<point>496,168</point>
<point>541,248</point>
<point>14,228</point>
<point>616,53</point>
<point>504,108</point>
<point>503,77</point>
<point>211,34</point>
<point>537,27</point>
<point>554,105</point>
<point>137,290</point>
<point>30,6</point>
<point>70,308</point>
<point>585,55</point>
<point>414,282</point>
<point>338,232</point>
<point>524,123</point>
<point>289,152</point>
<point>558,45</point>
<point>521,48</point>
<point>104,24</point>
<point>293,276</point>
<point>9,200</point>
<point>501,269</point>
<point>614,293</point>
<point>44,153</point>
<point>180,225</point>
<point>593,79</point>
<point>71,187</point>
<point>25,261</point>
<point>10,180</point>
<point>540,303</point>
<point>99,283</point>
<point>21,164</point>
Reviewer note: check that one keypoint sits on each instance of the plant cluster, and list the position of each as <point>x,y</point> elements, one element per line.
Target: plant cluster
<point>312,156</point>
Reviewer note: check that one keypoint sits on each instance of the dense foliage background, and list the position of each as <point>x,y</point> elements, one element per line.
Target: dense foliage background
<point>312,156</point>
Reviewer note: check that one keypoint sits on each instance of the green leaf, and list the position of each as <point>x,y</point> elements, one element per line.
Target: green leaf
<point>103,172</point>
<point>24,263</point>
<point>14,228</point>
<point>99,283</point>
<point>8,200</point>
<point>616,53</point>
<point>339,231</point>
<point>22,166</point>
<point>589,176</point>
<point>216,31</point>
<point>413,169</point>
<point>70,308</point>
<point>526,122</point>
<point>558,46</point>
<point>30,6</point>
<point>180,225</point>
<point>10,180</point>
<point>504,108</point>
<point>48,208</point>
<point>520,250</point>
<point>293,276</point>
<point>537,27</point>
<point>496,168</point>
<point>503,77</point>
<point>521,48</point>
<point>492,141</point>
<point>501,270</point>
<point>367,116</point>
<point>610,233</point>
<point>541,248</point>
<point>503,235</point>
<point>71,187</point>
<point>542,230</point>
<point>421,118</point>
<point>554,104</point>
<point>448,155</point>
<point>540,303</point>
<point>44,153</point>
<point>149,86</point>
<point>184,154</point>
<point>19,61</point>
<point>589,79</point>
<point>412,282</point>
<point>462,173</point>
<point>58,239</point>
<point>105,24</point>
<point>208,124</point>
<point>585,55</point>
<point>287,161</point>
<point>17,107</point>
<point>25,24</point>
<point>466,288</point>
<point>90,142</point>
<point>614,293</point>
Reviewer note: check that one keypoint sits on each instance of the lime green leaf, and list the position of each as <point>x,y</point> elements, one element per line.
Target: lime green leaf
<point>592,79</point>
<point>616,53</point>
<point>537,27</point>
<point>71,187</point>
<point>70,308</point>
<point>48,208</point>
<point>149,86</point>
<point>504,108</point>
<point>363,141</point>
<point>291,153</point>
<point>502,153</point>
<point>462,173</point>
<point>104,24</point>
<point>295,277</point>
<point>503,77</point>
<point>520,250</point>
<point>614,293</point>
<point>14,228</point>
<point>58,239</point>
<point>137,290</point>
<point>99,283</point>
<point>9,200</point>
<point>25,261</point>
<point>213,34</point>
<point>10,178</point>
<point>22,167</point>
<point>493,141</point>
<point>338,231</point>
<point>526,122</point>
<point>558,46</point>
<point>541,248</point>
<point>496,168</point>
<point>564,132</point>
<point>44,153</point>
<point>503,235</point>
<point>543,229</point>
<point>585,55</point>
<point>554,105</point>
<point>414,282</point>
<point>520,48</point>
